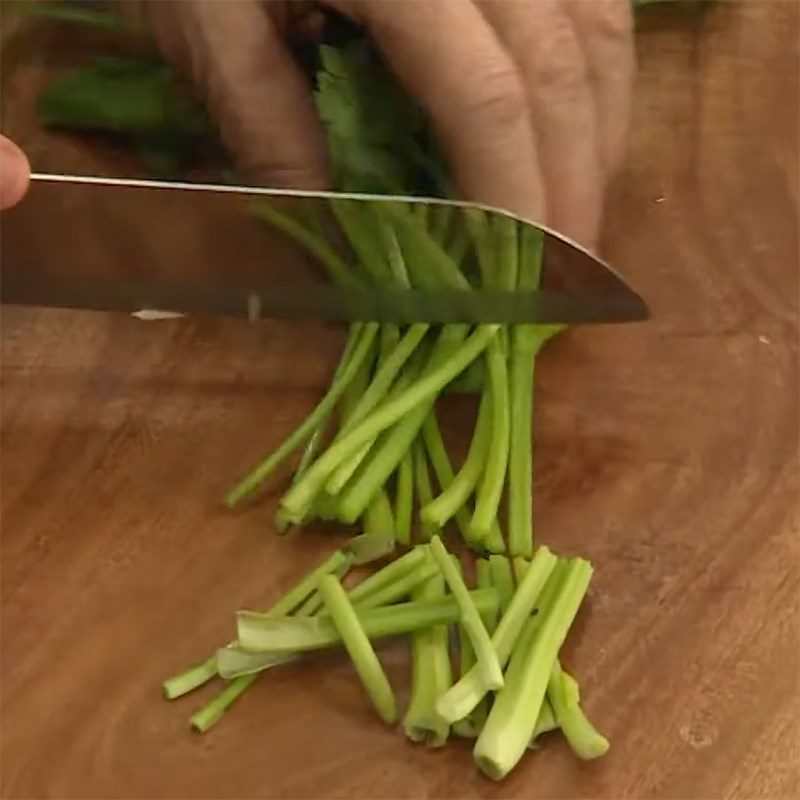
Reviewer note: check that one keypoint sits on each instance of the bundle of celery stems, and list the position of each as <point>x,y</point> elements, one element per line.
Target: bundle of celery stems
<point>374,457</point>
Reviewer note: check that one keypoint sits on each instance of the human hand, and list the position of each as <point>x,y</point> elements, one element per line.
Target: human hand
<point>529,98</point>
<point>15,173</point>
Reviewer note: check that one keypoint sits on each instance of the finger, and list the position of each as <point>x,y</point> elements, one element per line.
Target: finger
<point>15,173</point>
<point>541,38</point>
<point>605,30</point>
<point>253,90</point>
<point>448,58</point>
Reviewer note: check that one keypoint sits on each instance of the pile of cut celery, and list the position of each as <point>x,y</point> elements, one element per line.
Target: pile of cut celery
<point>509,687</point>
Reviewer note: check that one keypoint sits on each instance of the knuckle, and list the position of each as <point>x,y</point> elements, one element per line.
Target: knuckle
<point>609,19</point>
<point>559,64</point>
<point>498,96</point>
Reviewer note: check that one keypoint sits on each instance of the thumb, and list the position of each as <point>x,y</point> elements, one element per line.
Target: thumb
<point>15,173</point>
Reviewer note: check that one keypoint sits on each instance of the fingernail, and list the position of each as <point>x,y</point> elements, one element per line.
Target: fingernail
<point>15,173</point>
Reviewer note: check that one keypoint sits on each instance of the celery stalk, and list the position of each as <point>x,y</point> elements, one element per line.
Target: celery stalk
<point>359,647</point>
<point>262,633</point>
<point>422,480</point>
<point>454,496</point>
<point>297,500</point>
<point>404,499</point>
<point>512,719</point>
<point>490,489</point>
<point>198,674</point>
<point>431,674</point>
<point>469,690</point>
<point>564,696</point>
<point>387,575</point>
<point>502,579</point>
<point>487,665</point>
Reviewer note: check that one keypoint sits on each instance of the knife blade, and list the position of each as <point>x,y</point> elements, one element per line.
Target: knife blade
<point>113,244</point>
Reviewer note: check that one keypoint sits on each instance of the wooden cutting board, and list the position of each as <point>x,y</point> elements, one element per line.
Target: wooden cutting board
<point>666,452</point>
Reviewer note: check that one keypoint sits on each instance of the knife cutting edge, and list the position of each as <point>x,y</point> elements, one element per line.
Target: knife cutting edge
<point>132,245</point>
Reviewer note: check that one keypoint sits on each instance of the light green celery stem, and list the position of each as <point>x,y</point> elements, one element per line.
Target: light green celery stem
<point>212,711</point>
<point>384,377</point>
<point>401,588</point>
<point>545,722</point>
<point>490,488</point>
<point>470,725</point>
<point>382,461</point>
<point>423,483</point>
<point>390,338</point>
<point>259,633</point>
<point>232,661</point>
<point>483,575</point>
<point>453,498</point>
<point>198,674</point>
<point>465,727</point>
<point>325,504</point>
<point>511,721</point>
<point>520,461</point>
<point>431,674</point>
<point>360,352</point>
<point>357,386</point>
<point>429,266</point>
<point>494,542</point>
<point>469,690</point>
<point>357,220</point>
<point>338,270</point>
<point>404,499</point>
<point>484,581</point>
<point>358,646</point>
<point>486,662</point>
<point>379,520</point>
<point>496,243</point>
<point>394,255</point>
<point>440,460</point>
<point>531,247</point>
<point>387,575</point>
<point>311,449</point>
<point>502,579</point>
<point>564,696</point>
<point>479,230</point>
<point>504,230</point>
<point>378,539</point>
<point>520,567</point>
<point>300,496</point>
<point>385,454</point>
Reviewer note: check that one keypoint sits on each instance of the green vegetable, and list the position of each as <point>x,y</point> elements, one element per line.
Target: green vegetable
<point>462,698</point>
<point>404,499</point>
<point>502,579</point>
<point>564,697</point>
<point>431,674</point>
<point>391,573</point>
<point>511,721</point>
<point>358,646</point>
<point>263,633</point>
<point>198,674</point>
<point>487,665</point>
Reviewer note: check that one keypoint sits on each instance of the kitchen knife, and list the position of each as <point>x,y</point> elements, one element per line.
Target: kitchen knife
<point>131,245</point>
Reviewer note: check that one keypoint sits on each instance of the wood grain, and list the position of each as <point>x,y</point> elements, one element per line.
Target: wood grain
<point>667,453</point>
